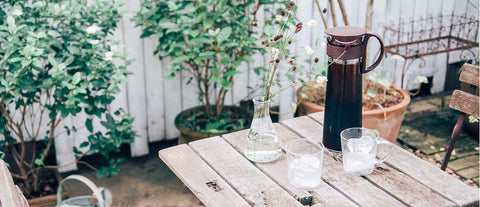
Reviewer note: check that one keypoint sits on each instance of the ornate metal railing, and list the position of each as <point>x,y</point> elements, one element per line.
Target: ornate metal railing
<point>417,38</point>
<point>431,35</point>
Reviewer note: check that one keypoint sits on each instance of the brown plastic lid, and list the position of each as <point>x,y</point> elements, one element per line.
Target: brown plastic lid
<point>346,33</point>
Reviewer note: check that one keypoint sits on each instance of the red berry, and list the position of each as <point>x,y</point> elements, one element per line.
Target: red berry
<point>277,60</point>
<point>289,7</point>
<point>289,41</point>
<point>324,10</point>
<point>292,3</point>
<point>263,42</point>
<point>254,23</point>
<point>316,60</point>
<point>294,68</point>
<point>282,12</point>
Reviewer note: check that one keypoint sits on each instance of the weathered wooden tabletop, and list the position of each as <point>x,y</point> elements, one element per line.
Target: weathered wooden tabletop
<point>216,171</point>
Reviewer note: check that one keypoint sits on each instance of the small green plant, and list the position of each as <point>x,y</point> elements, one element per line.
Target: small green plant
<point>57,64</point>
<point>207,40</point>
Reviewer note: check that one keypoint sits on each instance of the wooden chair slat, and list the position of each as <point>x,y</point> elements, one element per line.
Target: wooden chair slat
<point>469,74</point>
<point>465,102</point>
<point>9,193</point>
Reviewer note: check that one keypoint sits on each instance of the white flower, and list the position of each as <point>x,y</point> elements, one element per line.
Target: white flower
<point>321,80</point>
<point>312,23</point>
<point>275,52</point>
<point>94,42</point>
<point>93,29</point>
<point>108,55</point>
<point>323,45</point>
<point>308,50</point>
<point>17,12</point>
<point>420,79</point>
<point>279,18</point>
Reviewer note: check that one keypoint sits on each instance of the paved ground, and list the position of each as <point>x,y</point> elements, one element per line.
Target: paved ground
<point>147,181</point>
<point>427,130</point>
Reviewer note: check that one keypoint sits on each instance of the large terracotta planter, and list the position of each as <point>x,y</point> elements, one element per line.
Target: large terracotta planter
<point>188,135</point>
<point>387,121</point>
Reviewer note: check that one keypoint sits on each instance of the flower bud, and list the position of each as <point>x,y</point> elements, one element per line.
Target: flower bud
<point>277,37</point>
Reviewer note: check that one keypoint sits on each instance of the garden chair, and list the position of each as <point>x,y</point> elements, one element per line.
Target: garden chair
<point>466,101</point>
<point>10,194</point>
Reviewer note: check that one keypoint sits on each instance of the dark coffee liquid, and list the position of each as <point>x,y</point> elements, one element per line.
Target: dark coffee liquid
<point>343,104</point>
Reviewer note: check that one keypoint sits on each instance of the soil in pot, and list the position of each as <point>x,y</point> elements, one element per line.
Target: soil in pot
<point>194,124</point>
<point>314,93</point>
<point>379,110</point>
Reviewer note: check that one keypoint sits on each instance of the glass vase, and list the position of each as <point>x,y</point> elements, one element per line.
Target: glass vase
<point>262,141</point>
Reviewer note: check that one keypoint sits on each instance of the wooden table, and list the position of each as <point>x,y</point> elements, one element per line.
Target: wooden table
<point>216,171</point>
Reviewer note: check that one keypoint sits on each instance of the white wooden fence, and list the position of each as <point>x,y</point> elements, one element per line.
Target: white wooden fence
<point>155,102</point>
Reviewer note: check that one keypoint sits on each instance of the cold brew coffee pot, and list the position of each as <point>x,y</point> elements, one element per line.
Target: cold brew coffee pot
<point>346,50</point>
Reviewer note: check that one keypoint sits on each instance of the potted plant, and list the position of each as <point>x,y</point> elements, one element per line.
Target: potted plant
<point>57,65</point>
<point>206,41</point>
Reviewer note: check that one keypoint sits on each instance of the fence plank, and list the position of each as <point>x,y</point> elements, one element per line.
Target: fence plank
<point>136,82</point>
<point>154,91</point>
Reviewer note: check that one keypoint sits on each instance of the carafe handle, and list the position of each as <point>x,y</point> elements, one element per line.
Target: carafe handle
<point>365,69</point>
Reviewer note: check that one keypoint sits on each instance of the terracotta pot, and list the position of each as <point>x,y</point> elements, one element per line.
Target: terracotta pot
<point>388,121</point>
<point>188,135</point>
<point>306,107</point>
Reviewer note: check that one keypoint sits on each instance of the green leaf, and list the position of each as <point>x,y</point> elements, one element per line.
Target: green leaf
<point>52,61</point>
<point>89,125</point>
<point>213,80</point>
<point>84,144</point>
<point>76,78</point>
<point>226,84</point>
<point>371,93</point>
<point>232,72</point>
<point>269,30</point>
<point>39,162</point>
<point>167,25</point>
<point>207,23</point>
<point>224,34</point>
<point>172,6</point>
<point>11,24</point>
<point>180,59</point>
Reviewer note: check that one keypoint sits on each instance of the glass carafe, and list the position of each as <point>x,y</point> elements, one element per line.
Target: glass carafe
<point>262,141</point>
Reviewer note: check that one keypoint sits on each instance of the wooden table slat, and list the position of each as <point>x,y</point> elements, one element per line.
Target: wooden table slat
<point>257,188</point>
<point>202,180</point>
<point>431,176</point>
